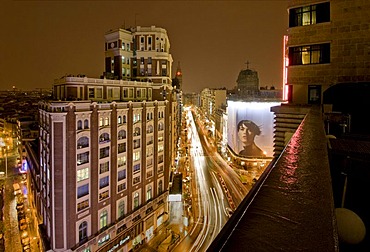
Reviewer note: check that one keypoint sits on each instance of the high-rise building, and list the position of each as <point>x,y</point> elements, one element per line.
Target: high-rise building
<point>140,53</point>
<point>106,149</point>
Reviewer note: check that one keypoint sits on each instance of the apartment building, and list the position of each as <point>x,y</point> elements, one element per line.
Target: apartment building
<point>326,48</point>
<point>327,44</point>
<point>140,53</point>
<point>105,157</point>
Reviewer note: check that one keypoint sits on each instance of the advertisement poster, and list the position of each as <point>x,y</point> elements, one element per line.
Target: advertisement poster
<point>250,127</point>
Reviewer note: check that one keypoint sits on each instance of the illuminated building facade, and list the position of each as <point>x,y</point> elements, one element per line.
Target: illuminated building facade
<point>105,161</point>
<point>327,44</point>
<point>326,47</point>
<point>140,53</point>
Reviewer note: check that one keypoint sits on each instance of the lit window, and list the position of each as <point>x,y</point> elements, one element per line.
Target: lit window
<point>121,209</point>
<point>309,15</point>
<point>149,193</point>
<point>136,200</point>
<point>82,174</point>
<point>310,54</point>
<point>103,219</point>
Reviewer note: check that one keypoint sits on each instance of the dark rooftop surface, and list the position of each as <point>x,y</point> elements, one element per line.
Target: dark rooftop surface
<point>291,208</point>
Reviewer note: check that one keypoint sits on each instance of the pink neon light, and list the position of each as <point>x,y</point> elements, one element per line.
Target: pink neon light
<point>285,68</point>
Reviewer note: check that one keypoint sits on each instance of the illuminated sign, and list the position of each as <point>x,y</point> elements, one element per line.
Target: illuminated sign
<point>120,243</point>
<point>250,128</point>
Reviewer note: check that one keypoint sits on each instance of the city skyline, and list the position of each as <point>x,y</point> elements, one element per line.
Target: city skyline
<point>46,40</point>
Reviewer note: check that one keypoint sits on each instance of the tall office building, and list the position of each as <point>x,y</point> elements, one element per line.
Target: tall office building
<point>105,150</point>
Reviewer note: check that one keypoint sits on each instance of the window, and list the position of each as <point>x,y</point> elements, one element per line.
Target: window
<point>150,140</point>
<point>136,156</point>
<point>91,93</point>
<point>310,54</point>
<point>82,174</point>
<point>137,143</point>
<point>121,147</point>
<point>104,167</point>
<point>160,168</point>
<point>314,94</point>
<point>104,138</point>
<point>308,15</point>
<point>160,126</point>
<point>106,121</point>
<point>136,118</point>
<point>121,187</point>
<point>136,200</point>
<point>122,134</point>
<point>160,147</point>
<point>82,158</point>
<point>149,129</point>
<point>121,175</point>
<point>104,182</point>
<point>136,168</point>
<point>160,187</point>
<point>149,174</point>
<point>119,119</point>
<point>79,124</point>
<point>136,180</point>
<point>103,219</point>
<point>82,231</point>
<point>82,190</point>
<point>160,137</point>
<point>149,193</point>
<point>137,131</point>
<point>83,142</point>
<point>121,161</point>
<point>104,152</point>
<point>121,209</point>
<point>86,124</point>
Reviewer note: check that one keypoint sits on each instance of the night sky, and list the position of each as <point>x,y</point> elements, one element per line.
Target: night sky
<point>44,40</point>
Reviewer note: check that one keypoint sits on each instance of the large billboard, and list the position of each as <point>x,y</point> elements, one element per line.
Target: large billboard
<point>250,128</point>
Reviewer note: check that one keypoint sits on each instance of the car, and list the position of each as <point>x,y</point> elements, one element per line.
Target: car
<point>23,224</point>
<point>24,235</point>
<point>27,247</point>
<point>25,241</point>
<point>21,216</point>
<point>20,207</point>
